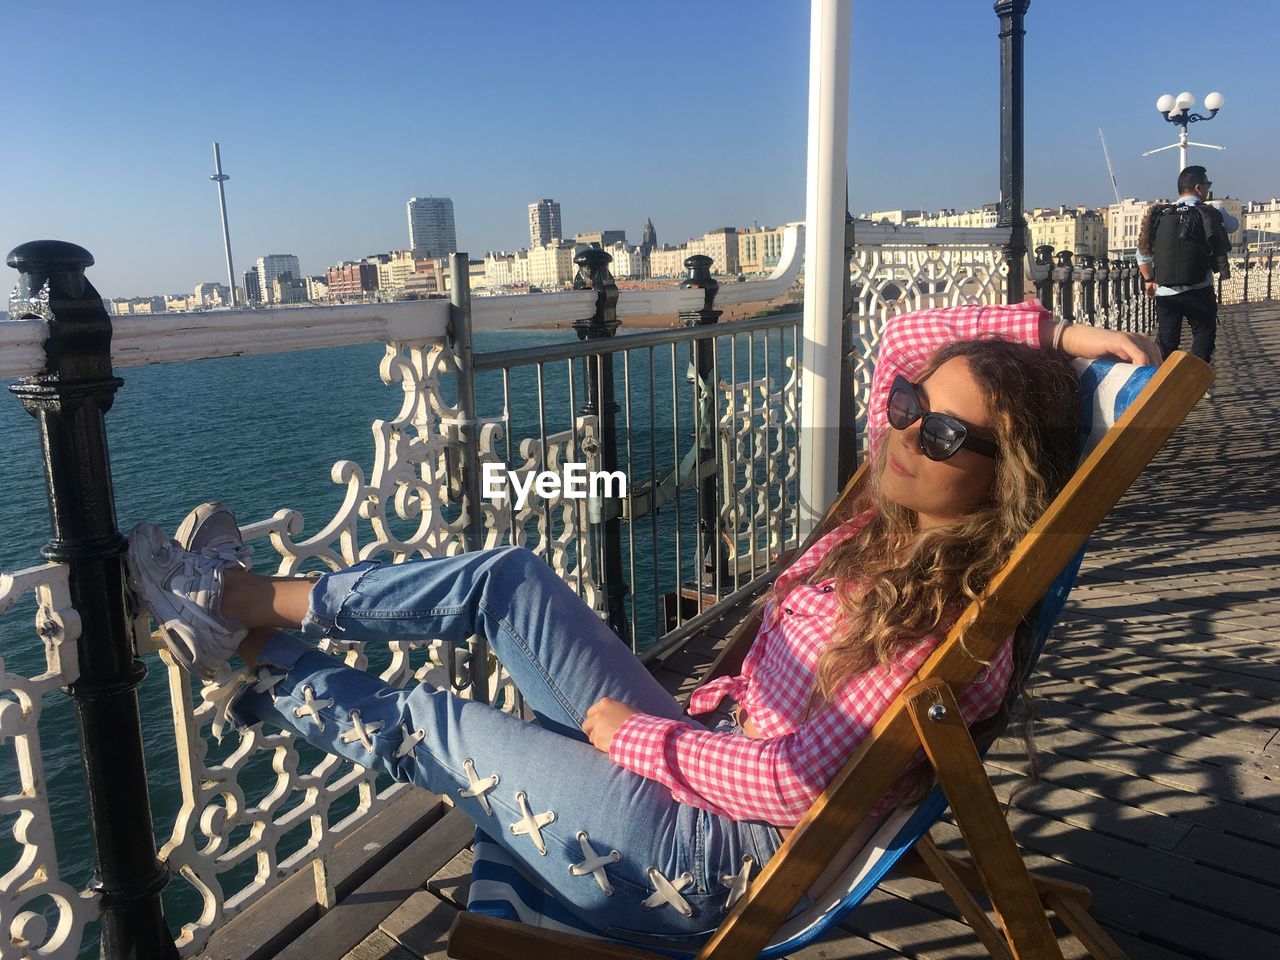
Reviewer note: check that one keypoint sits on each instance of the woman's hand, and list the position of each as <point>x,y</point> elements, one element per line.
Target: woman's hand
<point>603,720</point>
<point>1095,343</point>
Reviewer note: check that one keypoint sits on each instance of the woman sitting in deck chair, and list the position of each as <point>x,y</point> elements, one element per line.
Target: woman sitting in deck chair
<point>636,816</point>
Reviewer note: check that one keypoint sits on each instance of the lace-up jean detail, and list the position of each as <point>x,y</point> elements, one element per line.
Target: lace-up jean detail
<point>614,847</point>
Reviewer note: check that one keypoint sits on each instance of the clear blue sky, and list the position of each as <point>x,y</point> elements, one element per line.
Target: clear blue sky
<point>331,115</point>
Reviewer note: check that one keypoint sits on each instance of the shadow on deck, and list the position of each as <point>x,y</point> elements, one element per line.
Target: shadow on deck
<point>1159,713</point>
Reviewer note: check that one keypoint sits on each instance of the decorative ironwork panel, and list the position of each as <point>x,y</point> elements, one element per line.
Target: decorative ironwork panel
<point>410,503</point>
<point>759,468</point>
<point>895,278</point>
<point>40,914</point>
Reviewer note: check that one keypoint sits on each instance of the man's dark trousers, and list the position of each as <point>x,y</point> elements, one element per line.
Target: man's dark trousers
<point>1200,309</point>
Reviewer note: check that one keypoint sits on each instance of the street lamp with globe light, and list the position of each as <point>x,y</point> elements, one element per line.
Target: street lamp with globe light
<point>1177,110</point>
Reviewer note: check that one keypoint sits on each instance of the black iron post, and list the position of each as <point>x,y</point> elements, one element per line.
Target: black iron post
<point>1245,293</point>
<point>1270,255</point>
<point>1044,287</point>
<point>1102,276</point>
<point>1062,280</point>
<point>69,400</point>
<point>1012,216</point>
<point>1085,274</point>
<point>593,274</point>
<point>715,560</point>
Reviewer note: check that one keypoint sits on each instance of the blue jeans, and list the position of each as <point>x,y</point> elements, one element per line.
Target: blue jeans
<point>545,780</point>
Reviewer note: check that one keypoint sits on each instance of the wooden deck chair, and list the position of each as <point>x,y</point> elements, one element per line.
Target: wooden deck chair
<point>924,716</point>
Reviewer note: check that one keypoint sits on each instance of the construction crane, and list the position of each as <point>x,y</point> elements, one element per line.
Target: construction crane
<point>1107,156</point>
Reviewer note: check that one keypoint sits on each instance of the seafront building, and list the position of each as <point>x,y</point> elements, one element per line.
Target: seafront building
<point>211,295</point>
<point>544,222</point>
<point>759,249</point>
<point>1262,224</point>
<point>351,279</point>
<point>270,267</point>
<point>1077,229</point>
<point>601,238</point>
<point>432,232</point>
<point>551,265</point>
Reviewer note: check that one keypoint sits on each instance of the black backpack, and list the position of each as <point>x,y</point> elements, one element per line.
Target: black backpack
<point>1182,245</point>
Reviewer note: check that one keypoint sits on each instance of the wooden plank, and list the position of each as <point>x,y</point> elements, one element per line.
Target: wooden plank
<point>1145,912</point>
<point>1133,760</point>
<point>452,882</point>
<point>281,915</point>
<point>1190,806</point>
<point>421,924</point>
<point>378,946</point>
<point>356,916</point>
<point>1125,727</point>
<point>1097,700</point>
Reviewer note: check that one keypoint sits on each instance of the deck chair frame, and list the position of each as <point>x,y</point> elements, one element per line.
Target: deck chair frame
<point>925,715</point>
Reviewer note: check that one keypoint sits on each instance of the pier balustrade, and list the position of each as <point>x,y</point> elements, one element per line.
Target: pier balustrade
<point>702,420</point>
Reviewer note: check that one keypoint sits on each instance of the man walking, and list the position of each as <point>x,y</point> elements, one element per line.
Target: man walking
<point>1181,246</point>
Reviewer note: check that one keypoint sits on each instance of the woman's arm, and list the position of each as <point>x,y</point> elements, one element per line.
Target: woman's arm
<point>910,339</point>
<point>777,779</point>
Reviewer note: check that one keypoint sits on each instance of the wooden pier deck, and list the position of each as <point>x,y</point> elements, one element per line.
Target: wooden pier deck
<point>1158,729</point>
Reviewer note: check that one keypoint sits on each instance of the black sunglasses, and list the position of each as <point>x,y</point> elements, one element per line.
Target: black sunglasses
<point>941,436</point>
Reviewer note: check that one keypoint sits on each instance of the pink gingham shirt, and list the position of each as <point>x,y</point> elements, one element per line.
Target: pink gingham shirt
<point>777,776</point>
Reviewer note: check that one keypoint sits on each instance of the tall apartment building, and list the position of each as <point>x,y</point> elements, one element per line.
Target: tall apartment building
<point>431,227</point>
<point>252,290</point>
<point>544,223</point>
<point>270,267</point>
<point>1077,229</point>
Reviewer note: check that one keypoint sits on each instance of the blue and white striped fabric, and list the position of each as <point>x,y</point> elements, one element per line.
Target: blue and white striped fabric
<point>501,888</point>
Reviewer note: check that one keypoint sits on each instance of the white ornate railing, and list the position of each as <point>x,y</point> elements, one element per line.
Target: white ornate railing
<point>40,914</point>
<point>898,269</point>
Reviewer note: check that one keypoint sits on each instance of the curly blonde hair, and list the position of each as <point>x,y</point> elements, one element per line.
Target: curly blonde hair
<point>917,580</point>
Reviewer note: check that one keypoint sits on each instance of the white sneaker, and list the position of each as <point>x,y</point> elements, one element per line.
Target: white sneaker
<point>211,529</point>
<point>184,591</point>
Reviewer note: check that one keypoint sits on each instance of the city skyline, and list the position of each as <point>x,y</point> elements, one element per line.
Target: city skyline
<point>714,130</point>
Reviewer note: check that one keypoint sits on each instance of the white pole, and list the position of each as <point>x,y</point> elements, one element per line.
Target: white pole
<point>220,178</point>
<point>1182,149</point>
<point>829,44</point>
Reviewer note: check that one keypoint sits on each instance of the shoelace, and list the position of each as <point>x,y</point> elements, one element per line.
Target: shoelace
<point>311,706</point>
<point>738,882</point>
<point>531,823</point>
<point>226,686</point>
<point>230,553</point>
<point>408,741</point>
<point>477,787</point>
<point>668,892</point>
<point>593,864</point>
<point>360,730</point>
